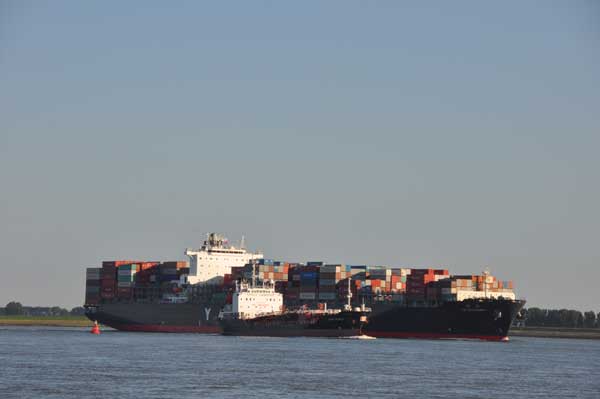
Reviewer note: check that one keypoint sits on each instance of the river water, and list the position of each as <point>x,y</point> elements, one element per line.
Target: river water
<point>71,363</point>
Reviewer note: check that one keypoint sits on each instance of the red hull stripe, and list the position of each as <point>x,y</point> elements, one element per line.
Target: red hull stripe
<point>166,328</point>
<point>398,334</point>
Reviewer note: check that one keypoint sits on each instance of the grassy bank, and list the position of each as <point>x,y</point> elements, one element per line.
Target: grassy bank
<point>52,321</point>
<point>556,332</point>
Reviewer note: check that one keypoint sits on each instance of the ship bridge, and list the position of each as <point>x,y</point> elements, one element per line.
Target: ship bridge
<point>215,258</point>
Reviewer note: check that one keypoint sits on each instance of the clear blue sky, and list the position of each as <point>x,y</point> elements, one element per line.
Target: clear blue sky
<point>460,134</point>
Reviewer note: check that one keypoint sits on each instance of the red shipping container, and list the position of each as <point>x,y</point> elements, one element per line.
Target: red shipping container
<point>108,283</point>
<point>92,300</point>
<point>107,295</point>
<point>124,292</point>
<point>148,265</point>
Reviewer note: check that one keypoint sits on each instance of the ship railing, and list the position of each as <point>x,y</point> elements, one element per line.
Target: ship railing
<point>315,311</point>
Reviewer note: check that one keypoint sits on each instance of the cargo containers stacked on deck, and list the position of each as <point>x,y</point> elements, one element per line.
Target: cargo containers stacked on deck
<point>171,271</point>
<point>146,285</point>
<point>265,269</point>
<point>329,277</point>
<point>377,281</point>
<point>147,274</point>
<point>272,270</point>
<point>108,283</point>
<point>398,280</point>
<point>418,280</point>
<point>126,280</point>
<point>380,279</point>
<point>300,283</point>
<point>293,285</point>
<point>458,288</point>
<point>92,285</point>
<point>309,282</point>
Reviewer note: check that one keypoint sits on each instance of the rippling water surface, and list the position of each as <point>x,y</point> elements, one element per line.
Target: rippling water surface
<point>71,363</point>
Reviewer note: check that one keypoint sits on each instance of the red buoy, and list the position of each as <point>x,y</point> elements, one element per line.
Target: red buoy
<point>95,328</point>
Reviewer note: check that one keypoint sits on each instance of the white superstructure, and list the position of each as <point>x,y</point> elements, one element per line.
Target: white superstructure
<point>461,295</point>
<point>250,301</point>
<point>215,259</point>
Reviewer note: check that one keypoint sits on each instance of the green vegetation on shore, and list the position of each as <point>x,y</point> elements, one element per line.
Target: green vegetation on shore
<point>564,318</point>
<point>15,314</point>
<point>51,321</point>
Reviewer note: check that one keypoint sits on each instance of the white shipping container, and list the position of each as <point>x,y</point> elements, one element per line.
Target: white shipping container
<point>463,294</point>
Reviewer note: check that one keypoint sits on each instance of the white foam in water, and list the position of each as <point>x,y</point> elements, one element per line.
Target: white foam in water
<point>359,337</point>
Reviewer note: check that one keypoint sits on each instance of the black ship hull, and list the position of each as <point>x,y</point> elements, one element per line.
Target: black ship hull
<point>154,317</point>
<point>470,319</point>
<point>343,324</point>
<point>487,319</point>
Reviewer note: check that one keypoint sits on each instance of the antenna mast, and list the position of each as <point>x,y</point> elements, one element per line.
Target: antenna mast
<point>253,273</point>
<point>349,296</point>
<point>486,273</point>
<point>243,243</point>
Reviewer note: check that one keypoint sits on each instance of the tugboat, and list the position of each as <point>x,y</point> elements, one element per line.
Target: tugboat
<point>259,311</point>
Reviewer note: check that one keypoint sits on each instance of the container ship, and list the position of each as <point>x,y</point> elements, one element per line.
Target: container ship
<point>195,296</point>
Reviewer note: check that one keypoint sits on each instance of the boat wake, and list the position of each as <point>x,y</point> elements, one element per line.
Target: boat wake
<point>359,337</point>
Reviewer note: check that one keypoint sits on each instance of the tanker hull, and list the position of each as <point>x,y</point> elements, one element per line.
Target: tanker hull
<point>343,324</point>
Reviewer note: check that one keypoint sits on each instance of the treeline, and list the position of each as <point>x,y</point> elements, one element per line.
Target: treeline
<point>536,317</point>
<point>16,309</point>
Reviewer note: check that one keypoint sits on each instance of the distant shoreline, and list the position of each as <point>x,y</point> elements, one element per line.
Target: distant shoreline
<point>555,332</point>
<point>47,321</point>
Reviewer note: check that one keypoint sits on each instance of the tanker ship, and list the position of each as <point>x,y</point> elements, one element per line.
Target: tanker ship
<point>197,296</point>
<point>259,311</point>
